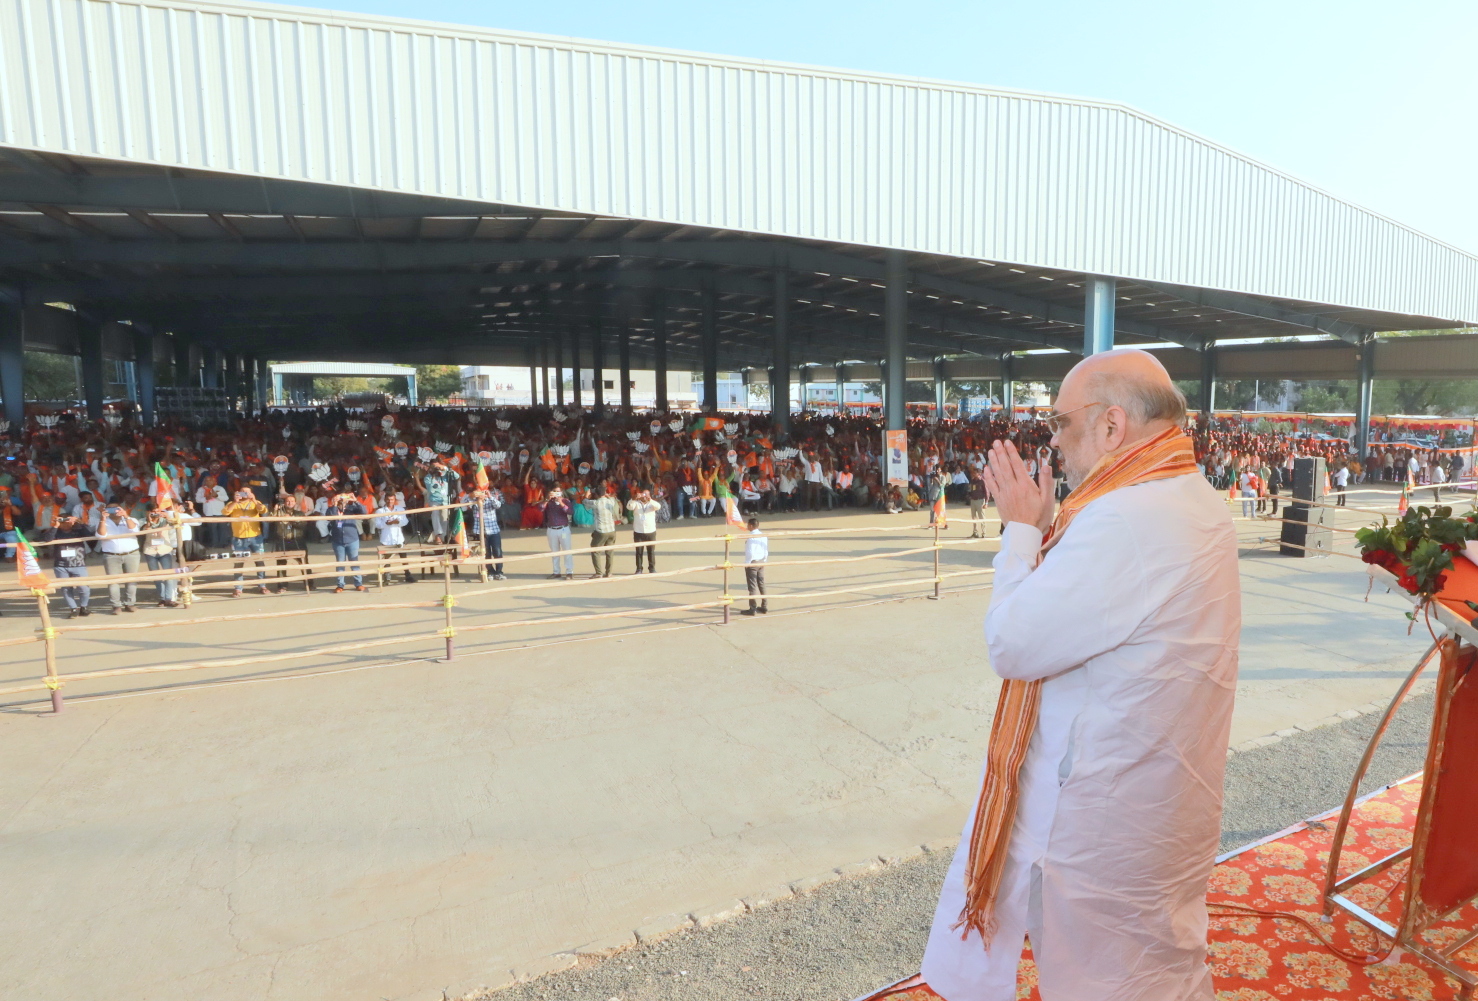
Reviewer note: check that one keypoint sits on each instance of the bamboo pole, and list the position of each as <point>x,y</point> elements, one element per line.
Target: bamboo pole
<point>936,559</point>
<point>48,634</point>
<point>447,601</point>
<point>725,565</point>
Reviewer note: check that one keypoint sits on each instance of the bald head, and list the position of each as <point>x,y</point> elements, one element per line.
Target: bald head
<point>1131,380</point>
<point>1109,401</point>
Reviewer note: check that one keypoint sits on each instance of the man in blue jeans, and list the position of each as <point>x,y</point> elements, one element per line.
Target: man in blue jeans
<point>343,532</point>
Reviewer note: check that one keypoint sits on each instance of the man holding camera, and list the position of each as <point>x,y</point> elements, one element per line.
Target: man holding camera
<point>246,534</point>
<point>70,561</point>
<point>343,532</point>
<point>120,549</point>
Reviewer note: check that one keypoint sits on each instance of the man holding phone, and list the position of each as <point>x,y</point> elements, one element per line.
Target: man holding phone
<point>343,532</point>
<point>246,534</point>
<point>120,549</point>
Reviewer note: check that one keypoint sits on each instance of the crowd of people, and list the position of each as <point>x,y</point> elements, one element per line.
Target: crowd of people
<point>85,487</point>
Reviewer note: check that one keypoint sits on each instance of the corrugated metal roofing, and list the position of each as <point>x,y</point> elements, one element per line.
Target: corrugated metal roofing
<point>602,129</point>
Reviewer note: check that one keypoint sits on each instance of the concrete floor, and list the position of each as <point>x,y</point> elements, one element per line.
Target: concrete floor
<point>384,825</point>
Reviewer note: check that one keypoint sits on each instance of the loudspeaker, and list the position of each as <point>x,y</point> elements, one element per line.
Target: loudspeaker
<point>1305,526</point>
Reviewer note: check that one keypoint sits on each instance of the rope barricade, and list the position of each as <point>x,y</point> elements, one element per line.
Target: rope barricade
<point>50,635</point>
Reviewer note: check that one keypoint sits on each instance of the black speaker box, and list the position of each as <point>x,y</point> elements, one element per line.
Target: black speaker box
<point>1305,532</point>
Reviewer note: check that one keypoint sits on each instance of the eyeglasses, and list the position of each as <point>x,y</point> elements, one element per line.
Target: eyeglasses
<point>1055,423</point>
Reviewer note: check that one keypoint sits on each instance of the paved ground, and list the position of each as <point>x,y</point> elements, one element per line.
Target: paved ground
<point>383,825</point>
<point>853,935</point>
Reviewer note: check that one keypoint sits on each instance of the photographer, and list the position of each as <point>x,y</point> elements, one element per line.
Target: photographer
<point>159,550</point>
<point>343,532</point>
<point>246,534</point>
<point>70,561</point>
<point>120,551</point>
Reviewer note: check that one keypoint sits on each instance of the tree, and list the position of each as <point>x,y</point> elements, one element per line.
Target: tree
<point>50,377</point>
<point>438,381</point>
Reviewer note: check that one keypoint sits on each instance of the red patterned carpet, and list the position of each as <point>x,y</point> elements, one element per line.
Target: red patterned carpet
<point>1260,959</point>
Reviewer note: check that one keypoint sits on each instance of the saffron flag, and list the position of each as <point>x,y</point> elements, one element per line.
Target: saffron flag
<point>480,478</point>
<point>459,533</point>
<point>26,563</point>
<point>1403,504</point>
<point>939,518</point>
<point>163,488</point>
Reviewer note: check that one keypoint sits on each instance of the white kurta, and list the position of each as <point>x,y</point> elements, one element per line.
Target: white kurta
<point>1133,620</point>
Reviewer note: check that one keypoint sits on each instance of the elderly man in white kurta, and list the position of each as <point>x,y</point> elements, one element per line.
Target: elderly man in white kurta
<point>1115,627</point>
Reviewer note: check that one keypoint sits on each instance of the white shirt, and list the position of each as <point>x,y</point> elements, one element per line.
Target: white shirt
<point>1342,476</point>
<point>391,525</point>
<point>813,471</point>
<point>121,543</point>
<point>1132,623</point>
<point>643,515</point>
<point>756,547</point>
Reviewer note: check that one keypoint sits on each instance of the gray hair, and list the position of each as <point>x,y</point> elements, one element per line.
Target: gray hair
<point>1143,399</point>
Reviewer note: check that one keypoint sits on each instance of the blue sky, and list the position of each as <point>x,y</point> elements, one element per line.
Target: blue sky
<point>1374,102</point>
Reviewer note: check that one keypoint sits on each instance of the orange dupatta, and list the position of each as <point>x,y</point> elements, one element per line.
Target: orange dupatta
<point>1159,457</point>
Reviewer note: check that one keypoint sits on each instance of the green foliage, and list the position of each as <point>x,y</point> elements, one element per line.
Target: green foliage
<point>438,382</point>
<point>1418,547</point>
<point>50,377</point>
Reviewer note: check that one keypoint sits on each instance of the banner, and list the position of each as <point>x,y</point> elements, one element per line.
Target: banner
<point>895,457</point>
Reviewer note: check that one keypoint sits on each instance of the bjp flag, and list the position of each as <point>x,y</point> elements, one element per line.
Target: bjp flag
<point>27,564</point>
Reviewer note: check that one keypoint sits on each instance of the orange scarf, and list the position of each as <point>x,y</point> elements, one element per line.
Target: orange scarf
<point>1158,457</point>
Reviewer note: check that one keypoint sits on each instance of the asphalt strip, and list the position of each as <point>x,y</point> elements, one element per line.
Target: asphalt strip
<point>857,934</point>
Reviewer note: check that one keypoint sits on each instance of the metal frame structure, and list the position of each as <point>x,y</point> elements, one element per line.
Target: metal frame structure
<point>1415,918</point>
<point>240,181</point>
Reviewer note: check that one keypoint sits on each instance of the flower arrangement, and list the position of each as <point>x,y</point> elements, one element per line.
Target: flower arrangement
<point>1418,547</point>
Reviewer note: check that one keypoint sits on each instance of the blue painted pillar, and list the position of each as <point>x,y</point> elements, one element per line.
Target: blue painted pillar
<point>895,339</point>
<point>90,340</point>
<point>410,390</point>
<point>780,355</point>
<point>710,350</point>
<point>13,364</point>
<point>598,368</point>
<point>143,368</point>
<point>1366,356</point>
<point>1098,315</point>
<point>659,348</point>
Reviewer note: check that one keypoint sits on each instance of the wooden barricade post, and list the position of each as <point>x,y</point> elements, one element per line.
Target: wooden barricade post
<point>447,601</point>
<point>48,637</point>
<point>727,600</point>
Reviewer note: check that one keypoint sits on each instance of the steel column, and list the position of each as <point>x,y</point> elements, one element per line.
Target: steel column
<point>623,353</point>
<point>895,336</point>
<point>659,347</point>
<point>598,368</point>
<point>210,368</point>
<point>90,340</point>
<point>143,367</point>
<point>1008,384</point>
<point>841,390</point>
<point>780,355</point>
<point>533,376</point>
<point>262,376</point>
<point>1208,379</point>
<point>579,396</point>
<point>13,365</point>
<point>1098,315</point>
<point>710,350</point>
<point>559,370</point>
<point>181,361</point>
<point>411,397</point>
<point>940,387</point>
<point>277,395</point>
<point>1362,401</point>
<point>544,369</point>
